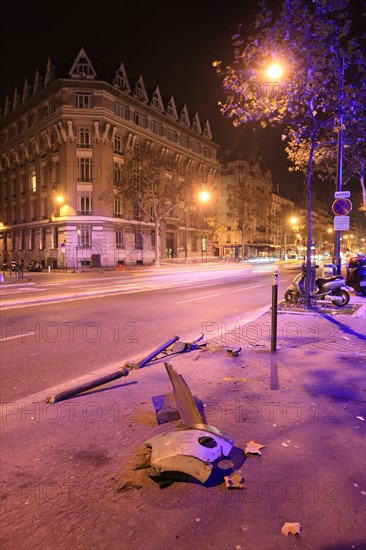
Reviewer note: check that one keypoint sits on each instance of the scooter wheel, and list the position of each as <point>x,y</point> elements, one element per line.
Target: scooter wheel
<point>345,298</point>
<point>291,297</point>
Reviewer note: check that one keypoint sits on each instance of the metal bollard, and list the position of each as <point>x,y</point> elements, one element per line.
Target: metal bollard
<point>274,309</point>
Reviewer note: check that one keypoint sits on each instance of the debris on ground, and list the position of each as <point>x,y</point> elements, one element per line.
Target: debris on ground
<point>234,481</point>
<point>252,448</point>
<point>293,528</point>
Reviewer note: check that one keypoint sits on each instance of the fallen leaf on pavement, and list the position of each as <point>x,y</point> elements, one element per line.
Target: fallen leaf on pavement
<point>234,481</point>
<point>361,418</point>
<point>253,448</point>
<point>293,528</point>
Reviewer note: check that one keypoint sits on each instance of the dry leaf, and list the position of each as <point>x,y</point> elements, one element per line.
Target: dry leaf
<point>234,481</point>
<point>293,528</point>
<point>253,448</point>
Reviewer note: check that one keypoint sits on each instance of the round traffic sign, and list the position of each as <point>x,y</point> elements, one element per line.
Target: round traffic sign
<point>341,207</point>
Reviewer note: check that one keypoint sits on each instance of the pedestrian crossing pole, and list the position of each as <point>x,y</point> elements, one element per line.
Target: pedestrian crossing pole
<point>274,309</point>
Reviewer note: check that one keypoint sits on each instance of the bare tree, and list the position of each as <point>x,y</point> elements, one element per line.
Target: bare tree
<point>154,185</point>
<point>311,42</point>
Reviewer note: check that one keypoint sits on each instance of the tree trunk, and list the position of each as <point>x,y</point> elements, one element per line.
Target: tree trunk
<point>308,283</point>
<point>362,182</point>
<point>157,243</point>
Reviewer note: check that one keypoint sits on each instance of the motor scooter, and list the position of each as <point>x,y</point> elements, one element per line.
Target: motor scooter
<point>356,274</point>
<point>331,289</point>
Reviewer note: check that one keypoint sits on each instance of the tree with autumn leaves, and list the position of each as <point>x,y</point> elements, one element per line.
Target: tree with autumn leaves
<point>323,71</point>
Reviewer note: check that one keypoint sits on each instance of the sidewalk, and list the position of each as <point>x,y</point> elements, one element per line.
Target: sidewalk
<point>63,464</point>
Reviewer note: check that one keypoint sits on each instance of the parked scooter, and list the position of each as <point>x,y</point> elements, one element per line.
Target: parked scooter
<point>356,274</point>
<point>332,289</point>
<point>35,266</point>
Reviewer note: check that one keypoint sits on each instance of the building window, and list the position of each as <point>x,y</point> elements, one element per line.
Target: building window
<point>119,238</point>
<point>196,147</point>
<point>84,236</point>
<point>33,181</point>
<point>170,110</point>
<point>171,135</point>
<point>138,240</point>
<point>122,111</point>
<point>157,128</point>
<point>85,172</point>
<point>84,203</point>
<point>31,239</point>
<point>194,243</point>
<point>117,144</point>
<point>83,100</point>
<point>139,119</point>
<point>136,211</point>
<point>117,172</point>
<point>184,141</point>
<point>42,238</point>
<point>84,138</point>
<point>117,208</point>
<point>153,238</point>
<point>21,240</point>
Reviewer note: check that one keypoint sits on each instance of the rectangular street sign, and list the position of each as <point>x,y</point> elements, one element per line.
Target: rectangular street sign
<point>342,194</point>
<point>341,223</point>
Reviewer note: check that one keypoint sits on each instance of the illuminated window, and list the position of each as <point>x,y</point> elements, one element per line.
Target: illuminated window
<point>33,181</point>
<point>84,236</point>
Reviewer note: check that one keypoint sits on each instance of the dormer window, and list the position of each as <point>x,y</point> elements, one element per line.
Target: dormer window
<point>83,69</point>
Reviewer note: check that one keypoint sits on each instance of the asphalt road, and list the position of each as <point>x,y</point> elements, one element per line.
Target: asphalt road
<point>102,320</point>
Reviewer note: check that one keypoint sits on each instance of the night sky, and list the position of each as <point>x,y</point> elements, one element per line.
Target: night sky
<point>172,44</point>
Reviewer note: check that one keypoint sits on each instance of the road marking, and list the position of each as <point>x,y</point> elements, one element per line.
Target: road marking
<point>202,298</point>
<point>247,288</point>
<point>17,336</point>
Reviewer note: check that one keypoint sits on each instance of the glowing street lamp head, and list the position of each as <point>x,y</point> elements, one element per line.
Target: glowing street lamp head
<point>204,196</point>
<point>274,71</point>
<point>293,221</point>
<point>60,199</point>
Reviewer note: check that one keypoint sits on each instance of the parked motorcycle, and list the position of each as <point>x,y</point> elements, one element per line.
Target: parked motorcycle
<point>332,289</point>
<point>35,266</point>
<point>356,274</point>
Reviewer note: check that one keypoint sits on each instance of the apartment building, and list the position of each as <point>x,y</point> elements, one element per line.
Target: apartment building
<point>65,140</point>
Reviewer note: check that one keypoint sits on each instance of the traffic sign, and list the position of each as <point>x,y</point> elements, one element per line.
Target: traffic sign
<point>342,194</point>
<point>341,223</point>
<point>341,207</point>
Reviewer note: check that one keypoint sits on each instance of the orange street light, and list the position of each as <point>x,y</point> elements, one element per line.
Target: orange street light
<point>274,71</point>
<point>204,196</point>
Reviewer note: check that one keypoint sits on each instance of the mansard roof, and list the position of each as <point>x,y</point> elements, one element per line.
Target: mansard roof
<point>90,68</point>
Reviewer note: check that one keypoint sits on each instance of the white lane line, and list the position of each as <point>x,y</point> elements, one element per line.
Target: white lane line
<point>22,335</point>
<point>202,298</point>
<point>247,288</point>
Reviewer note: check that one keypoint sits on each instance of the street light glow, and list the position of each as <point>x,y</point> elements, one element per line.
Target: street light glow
<point>293,221</point>
<point>60,199</point>
<point>274,71</point>
<point>204,196</point>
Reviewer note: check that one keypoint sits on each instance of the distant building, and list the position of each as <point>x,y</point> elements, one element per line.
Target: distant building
<point>247,207</point>
<point>65,137</point>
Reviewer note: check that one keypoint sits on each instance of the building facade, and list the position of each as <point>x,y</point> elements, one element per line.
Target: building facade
<point>64,144</point>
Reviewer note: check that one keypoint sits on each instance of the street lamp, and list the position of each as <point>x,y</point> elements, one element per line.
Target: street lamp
<point>274,71</point>
<point>293,222</point>
<point>203,197</point>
